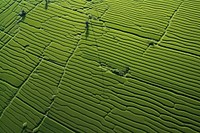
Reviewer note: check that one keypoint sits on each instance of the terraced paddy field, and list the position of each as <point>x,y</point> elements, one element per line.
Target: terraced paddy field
<point>99,66</point>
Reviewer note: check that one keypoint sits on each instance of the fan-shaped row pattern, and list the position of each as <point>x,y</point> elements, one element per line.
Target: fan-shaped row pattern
<point>110,80</point>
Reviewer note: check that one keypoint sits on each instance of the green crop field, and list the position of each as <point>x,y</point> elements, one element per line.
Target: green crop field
<point>99,66</point>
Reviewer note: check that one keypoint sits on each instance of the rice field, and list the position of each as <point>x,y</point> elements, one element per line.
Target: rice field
<point>99,66</point>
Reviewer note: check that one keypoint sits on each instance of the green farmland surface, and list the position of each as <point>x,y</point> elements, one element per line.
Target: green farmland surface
<point>99,66</point>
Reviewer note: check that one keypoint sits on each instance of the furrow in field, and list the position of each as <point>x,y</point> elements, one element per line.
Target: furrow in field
<point>20,86</point>
<point>184,39</point>
<point>176,114</point>
<point>25,127</point>
<point>5,5</point>
<point>8,25</point>
<point>75,67</point>
<point>79,81</point>
<point>141,17</point>
<point>178,60</point>
<point>19,63</point>
<point>112,55</point>
<point>150,58</point>
<point>7,92</point>
<point>12,18</point>
<point>55,10</point>
<point>7,13</point>
<point>81,70</point>
<point>59,81</point>
<point>20,117</point>
<point>49,52</point>
<point>100,66</point>
<point>83,107</point>
<point>41,86</point>
<point>51,126</point>
<point>88,113</point>
<point>52,26</point>
<point>31,43</point>
<point>69,121</point>
<point>4,37</point>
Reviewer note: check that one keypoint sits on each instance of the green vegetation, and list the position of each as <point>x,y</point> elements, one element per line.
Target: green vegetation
<point>75,66</point>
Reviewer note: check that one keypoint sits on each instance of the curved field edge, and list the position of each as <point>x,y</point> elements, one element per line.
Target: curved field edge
<point>99,66</point>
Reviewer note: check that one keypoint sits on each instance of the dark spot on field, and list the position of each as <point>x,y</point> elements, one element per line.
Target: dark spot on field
<point>120,72</point>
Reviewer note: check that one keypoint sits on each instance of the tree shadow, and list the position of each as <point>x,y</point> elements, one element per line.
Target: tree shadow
<point>22,15</point>
<point>46,4</point>
<point>87,29</point>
